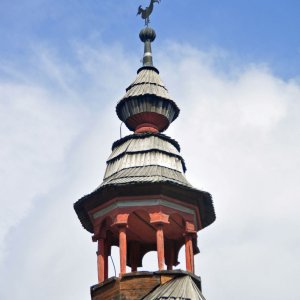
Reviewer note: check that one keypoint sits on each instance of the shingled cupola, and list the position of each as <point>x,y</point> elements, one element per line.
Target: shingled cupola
<point>145,202</point>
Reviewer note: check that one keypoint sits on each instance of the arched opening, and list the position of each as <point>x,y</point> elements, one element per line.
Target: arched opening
<point>114,262</point>
<point>141,238</point>
<point>182,255</point>
<point>174,239</point>
<point>150,261</point>
<point>181,259</point>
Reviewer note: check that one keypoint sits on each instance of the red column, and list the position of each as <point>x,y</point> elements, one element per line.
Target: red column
<point>189,254</point>
<point>123,249</point>
<point>160,246</point>
<point>100,260</point>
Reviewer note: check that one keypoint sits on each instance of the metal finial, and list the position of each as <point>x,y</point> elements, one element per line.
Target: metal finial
<point>145,13</point>
<point>147,36</point>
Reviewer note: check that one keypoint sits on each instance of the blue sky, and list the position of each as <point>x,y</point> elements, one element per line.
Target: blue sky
<point>250,31</point>
<point>233,69</point>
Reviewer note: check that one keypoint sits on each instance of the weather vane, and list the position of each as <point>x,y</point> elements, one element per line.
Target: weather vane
<point>145,13</point>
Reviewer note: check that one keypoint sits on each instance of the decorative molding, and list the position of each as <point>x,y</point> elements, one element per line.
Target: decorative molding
<point>119,204</point>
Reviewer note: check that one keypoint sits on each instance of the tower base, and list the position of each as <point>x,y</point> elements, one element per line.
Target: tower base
<point>137,285</point>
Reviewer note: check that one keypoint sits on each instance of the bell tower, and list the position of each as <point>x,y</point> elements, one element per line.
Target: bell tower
<point>145,202</point>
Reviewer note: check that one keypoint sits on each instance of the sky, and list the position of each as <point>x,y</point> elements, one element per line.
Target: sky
<point>233,69</point>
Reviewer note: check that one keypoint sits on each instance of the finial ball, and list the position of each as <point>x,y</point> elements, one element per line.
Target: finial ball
<point>147,34</point>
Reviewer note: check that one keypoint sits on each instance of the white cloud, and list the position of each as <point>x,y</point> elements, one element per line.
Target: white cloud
<point>239,135</point>
<point>34,137</point>
<point>238,132</point>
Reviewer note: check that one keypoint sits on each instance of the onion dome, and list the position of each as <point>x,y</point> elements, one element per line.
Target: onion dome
<point>147,106</point>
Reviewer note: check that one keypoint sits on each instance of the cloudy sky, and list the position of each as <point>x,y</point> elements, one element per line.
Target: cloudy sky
<point>233,67</point>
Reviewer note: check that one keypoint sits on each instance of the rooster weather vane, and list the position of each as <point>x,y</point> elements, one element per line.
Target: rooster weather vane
<point>145,13</point>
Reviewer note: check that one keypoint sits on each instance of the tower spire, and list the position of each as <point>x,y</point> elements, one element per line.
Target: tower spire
<point>145,202</point>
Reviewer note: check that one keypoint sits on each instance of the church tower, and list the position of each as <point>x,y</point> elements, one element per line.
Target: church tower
<point>145,202</point>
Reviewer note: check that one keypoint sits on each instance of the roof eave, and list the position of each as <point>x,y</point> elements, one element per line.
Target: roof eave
<point>201,199</point>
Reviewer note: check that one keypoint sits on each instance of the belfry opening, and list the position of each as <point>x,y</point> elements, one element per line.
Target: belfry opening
<point>145,203</point>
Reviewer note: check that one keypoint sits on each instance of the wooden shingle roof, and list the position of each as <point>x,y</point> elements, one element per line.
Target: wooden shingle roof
<point>180,288</point>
